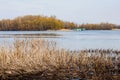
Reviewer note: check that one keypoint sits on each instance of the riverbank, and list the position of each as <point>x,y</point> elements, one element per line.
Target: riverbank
<point>116,29</point>
<point>65,30</point>
<point>37,59</point>
<point>61,30</point>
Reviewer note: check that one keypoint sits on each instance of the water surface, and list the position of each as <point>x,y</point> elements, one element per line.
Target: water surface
<point>74,40</point>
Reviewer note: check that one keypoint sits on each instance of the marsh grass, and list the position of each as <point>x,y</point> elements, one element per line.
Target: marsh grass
<point>39,59</point>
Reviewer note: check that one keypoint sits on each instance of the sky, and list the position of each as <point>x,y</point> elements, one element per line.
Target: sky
<point>78,11</point>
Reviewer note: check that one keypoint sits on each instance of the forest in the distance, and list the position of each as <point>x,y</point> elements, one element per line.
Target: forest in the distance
<point>36,23</point>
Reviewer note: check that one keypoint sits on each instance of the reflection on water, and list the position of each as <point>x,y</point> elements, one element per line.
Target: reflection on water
<point>107,39</point>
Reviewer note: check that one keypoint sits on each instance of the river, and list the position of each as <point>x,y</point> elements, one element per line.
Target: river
<point>73,40</point>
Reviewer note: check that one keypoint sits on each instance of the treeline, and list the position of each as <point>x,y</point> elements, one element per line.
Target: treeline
<point>46,23</point>
<point>101,26</point>
<point>35,23</point>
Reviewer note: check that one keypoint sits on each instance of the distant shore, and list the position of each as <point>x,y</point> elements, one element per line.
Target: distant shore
<point>116,29</point>
<point>61,30</point>
<point>43,23</point>
<point>65,30</point>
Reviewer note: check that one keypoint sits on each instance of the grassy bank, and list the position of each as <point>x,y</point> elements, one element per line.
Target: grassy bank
<point>42,60</point>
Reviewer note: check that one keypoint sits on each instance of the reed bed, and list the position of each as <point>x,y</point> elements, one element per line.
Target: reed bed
<point>37,59</point>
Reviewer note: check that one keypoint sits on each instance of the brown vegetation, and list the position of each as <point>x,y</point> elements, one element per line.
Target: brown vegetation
<point>101,26</point>
<point>36,23</point>
<point>41,60</point>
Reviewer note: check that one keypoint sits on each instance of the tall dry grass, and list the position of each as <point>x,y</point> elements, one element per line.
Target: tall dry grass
<point>37,56</point>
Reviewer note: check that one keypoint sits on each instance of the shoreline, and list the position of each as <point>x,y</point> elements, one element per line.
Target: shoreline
<point>115,29</point>
<point>65,30</point>
<point>57,30</point>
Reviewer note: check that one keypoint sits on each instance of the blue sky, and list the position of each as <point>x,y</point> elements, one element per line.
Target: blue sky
<point>79,11</point>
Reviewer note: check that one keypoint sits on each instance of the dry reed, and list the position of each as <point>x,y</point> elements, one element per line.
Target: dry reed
<point>30,59</point>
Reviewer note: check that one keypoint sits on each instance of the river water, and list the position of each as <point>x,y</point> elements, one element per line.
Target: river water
<point>73,40</point>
